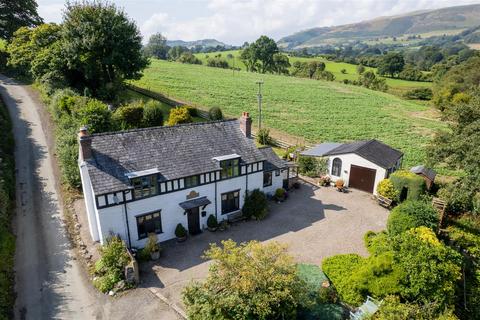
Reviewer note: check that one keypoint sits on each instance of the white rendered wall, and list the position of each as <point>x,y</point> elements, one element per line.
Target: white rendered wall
<point>356,160</point>
<point>277,182</point>
<point>89,199</point>
<point>112,219</point>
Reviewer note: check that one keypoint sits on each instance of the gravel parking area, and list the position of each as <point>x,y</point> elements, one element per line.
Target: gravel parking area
<point>314,222</point>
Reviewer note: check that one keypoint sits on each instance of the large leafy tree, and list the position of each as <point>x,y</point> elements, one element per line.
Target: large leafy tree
<point>15,14</point>
<point>259,56</point>
<point>246,281</point>
<point>101,46</point>
<point>281,63</point>
<point>391,64</point>
<point>157,47</point>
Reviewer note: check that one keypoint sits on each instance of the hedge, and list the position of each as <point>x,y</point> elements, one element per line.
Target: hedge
<point>412,214</point>
<point>408,185</point>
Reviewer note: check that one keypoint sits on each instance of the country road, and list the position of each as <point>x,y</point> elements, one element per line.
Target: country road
<point>50,282</point>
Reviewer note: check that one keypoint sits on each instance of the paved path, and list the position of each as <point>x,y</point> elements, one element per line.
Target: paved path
<point>50,283</point>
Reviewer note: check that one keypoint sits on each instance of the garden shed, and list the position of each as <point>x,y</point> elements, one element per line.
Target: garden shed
<point>426,173</point>
<point>360,164</point>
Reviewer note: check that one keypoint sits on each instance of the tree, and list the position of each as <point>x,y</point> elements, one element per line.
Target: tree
<point>369,80</point>
<point>101,46</point>
<point>360,69</point>
<point>175,52</point>
<point>459,147</point>
<point>188,57</point>
<point>429,269</point>
<point>247,55</point>
<point>95,115</point>
<point>157,47</point>
<point>179,115</point>
<point>15,14</point>
<point>263,50</point>
<point>391,64</point>
<point>280,63</point>
<point>35,51</point>
<point>246,281</point>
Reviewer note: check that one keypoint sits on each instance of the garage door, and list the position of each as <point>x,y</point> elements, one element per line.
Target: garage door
<point>362,178</point>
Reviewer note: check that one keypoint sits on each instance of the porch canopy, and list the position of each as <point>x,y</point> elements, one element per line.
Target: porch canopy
<point>194,203</point>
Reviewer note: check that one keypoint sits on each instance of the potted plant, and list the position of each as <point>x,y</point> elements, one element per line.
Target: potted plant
<point>325,181</point>
<point>339,185</point>
<point>280,194</point>
<point>152,247</point>
<point>180,233</point>
<point>212,223</point>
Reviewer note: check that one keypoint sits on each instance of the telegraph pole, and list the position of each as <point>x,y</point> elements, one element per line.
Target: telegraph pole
<point>259,96</point>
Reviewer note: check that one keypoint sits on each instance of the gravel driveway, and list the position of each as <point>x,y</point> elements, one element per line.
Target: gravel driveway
<point>314,222</point>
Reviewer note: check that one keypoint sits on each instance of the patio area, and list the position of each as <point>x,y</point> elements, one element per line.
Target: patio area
<point>314,223</point>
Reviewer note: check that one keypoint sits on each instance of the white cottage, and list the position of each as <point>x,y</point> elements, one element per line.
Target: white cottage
<point>361,164</point>
<point>148,180</point>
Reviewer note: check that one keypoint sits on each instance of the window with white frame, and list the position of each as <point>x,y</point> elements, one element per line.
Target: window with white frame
<point>337,167</point>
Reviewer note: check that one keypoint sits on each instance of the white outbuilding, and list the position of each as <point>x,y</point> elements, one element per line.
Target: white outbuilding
<point>360,164</point>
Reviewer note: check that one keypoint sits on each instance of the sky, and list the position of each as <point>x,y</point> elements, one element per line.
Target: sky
<point>237,21</point>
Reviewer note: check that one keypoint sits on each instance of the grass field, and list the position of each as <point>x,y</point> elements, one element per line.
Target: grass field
<point>332,66</point>
<point>316,110</point>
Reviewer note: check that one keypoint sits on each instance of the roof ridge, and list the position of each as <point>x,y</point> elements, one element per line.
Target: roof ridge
<point>162,127</point>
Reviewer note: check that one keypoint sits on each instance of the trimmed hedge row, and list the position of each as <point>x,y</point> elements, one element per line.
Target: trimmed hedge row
<point>408,185</point>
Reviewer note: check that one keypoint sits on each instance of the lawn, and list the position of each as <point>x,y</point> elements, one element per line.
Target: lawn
<point>315,110</point>
<point>332,66</point>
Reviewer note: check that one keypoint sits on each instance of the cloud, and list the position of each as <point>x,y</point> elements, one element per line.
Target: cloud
<point>236,21</point>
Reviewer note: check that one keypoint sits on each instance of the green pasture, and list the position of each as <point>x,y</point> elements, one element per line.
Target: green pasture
<point>316,110</point>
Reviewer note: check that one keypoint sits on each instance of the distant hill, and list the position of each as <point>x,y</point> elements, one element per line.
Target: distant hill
<point>448,20</point>
<point>206,43</point>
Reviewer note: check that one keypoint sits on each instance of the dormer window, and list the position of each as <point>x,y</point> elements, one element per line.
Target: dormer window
<point>192,181</point>
<point>230,168</point>
<point>145,186</point>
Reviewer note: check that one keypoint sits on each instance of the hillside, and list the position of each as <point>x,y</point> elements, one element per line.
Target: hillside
<point>311,109</point>
<point>398,85</point>
<point>206,43</point>
<point>433,22</point>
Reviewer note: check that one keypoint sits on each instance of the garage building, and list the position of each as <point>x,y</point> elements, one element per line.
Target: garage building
<point>361,164</point>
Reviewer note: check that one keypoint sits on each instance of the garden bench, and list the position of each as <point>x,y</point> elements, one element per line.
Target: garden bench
<point>384,202</point>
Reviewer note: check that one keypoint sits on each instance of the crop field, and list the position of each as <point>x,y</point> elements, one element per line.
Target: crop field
<point>315,110</point>
<point>332,66</point>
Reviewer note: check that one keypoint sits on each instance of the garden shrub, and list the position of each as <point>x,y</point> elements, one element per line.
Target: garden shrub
<point>179,115</point>
<point>192,111</point>
<point>152,114</point>
<point>280,194</point>
<point>386,189</point>
<point>263,137</point>
<point>129,116</point>
<point>312,166</point>
<point>255,205</point>
<point>212,222</point>
<point>377,243</point>
<point>411,214</point>
<point>215,113</point>
<point>408,185</point>
<point>338,269</point>
<point>256,281</point>
<point>95,115</point>
<point>457,199</point>
<point>430,270</point>
<point>109,269</point>
<point>180,231</point>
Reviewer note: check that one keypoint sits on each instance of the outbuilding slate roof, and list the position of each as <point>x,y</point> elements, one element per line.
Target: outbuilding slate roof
<point>320,149</point>
<point>372,150</point>
<point>427,172</point>
<point>177,151</point>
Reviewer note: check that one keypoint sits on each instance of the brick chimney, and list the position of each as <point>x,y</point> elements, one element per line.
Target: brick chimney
<point>246,124</point>
<point>85,142</point>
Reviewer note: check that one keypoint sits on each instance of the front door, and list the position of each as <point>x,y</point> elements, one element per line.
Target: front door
<point>194,221</point>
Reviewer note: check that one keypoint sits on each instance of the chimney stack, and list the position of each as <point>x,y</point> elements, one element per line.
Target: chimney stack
<point>246,124</point>
<point>85,142</point>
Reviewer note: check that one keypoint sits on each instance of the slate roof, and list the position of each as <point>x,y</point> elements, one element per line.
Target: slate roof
<point>427,172</point>
<point>372,150</point>
<point>177,151</point>
<point>320,149</point>
<point>273,162</point>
